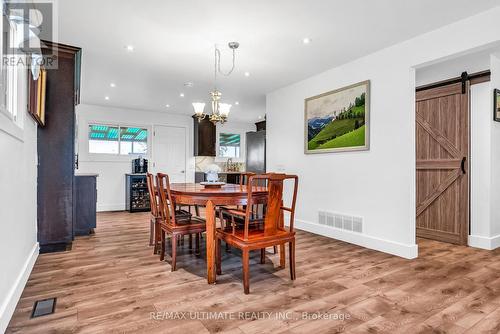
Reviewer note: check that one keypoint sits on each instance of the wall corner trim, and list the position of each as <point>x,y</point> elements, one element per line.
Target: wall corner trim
<point>488,243</point>
<point>8,306</point>
<point>406,251</point>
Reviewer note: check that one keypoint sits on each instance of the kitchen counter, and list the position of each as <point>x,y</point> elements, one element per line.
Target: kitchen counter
<point>229,177</point>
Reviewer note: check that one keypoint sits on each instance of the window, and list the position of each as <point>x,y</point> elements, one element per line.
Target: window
<point>8,74</point>
<point>229,145</point>
<point>107,139</point>
<point>133,141</point>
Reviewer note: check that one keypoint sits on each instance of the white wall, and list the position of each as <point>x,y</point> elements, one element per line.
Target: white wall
<point>18,191</point>
<point>379,184</point>
<point>480,155</point>
<point>112,169</point>
<point>452,68</point>
<point>495,158</point>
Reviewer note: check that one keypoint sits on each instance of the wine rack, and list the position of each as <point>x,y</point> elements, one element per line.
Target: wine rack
<point>137,194</point>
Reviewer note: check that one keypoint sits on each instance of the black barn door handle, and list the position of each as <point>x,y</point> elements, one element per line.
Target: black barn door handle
<point>462,165</point>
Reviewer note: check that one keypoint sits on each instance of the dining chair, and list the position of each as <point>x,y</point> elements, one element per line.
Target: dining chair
<point>156,215</point>
<point>236,215</point>
<point>154,227</point>
<point>170,224</point>
<point>271,232</point>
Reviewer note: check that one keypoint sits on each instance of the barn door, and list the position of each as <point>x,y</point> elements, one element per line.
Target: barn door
<point>442,152</point>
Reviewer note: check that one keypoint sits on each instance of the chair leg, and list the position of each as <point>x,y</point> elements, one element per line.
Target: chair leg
<point>218,257</point>
<point>157,236</point>
<point>275,248</point>
<point>174,251</point>
<point>246,271</point>
<point>162,246</point>
<point>282,255</point>
<point>262,255</point>
<point>197,243</point>
<point>190,241</point>
<point>151,231</point>
<point>291,248</point>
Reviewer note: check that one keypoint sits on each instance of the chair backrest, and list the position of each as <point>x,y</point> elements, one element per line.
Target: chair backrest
<point>153,195</point>
<point>167,206</point>
<point>244,176</point>
<point>274,216</point>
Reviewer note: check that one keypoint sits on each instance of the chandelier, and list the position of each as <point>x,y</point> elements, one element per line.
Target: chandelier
<point>220,111</point>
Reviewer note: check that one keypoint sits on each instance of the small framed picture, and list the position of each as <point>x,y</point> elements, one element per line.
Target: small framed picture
<point>37,91</point>
<point>496,105</point>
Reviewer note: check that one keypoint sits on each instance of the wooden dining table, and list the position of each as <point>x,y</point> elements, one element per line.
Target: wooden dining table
<point>197,194</point>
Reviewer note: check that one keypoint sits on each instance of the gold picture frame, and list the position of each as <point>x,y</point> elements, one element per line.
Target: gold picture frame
<point>37,93</point>
<point>338,121</point>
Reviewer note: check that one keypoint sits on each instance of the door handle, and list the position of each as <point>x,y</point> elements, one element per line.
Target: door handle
<point>462,165</point>
<point>183,171</point>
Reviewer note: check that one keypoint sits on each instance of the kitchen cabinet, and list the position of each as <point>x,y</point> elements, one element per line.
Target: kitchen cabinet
<point>85,201</point>
<point>204,137</point>
<point>56,152</point>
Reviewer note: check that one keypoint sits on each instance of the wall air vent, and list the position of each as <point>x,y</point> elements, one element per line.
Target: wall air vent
<point>341,221</point>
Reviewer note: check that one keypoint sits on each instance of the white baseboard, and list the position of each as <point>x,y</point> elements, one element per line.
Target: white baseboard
<point>406,251</point>
<point>488,243</point>
<point>9,304</point>
<point>110,207</point>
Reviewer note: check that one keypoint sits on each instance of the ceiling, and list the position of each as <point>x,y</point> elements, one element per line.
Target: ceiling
<point>173,44</point>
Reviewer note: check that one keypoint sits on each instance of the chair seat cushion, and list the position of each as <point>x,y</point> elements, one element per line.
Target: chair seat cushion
<point>193,225</point>
<point>255,236</point>
<point>182,215</point>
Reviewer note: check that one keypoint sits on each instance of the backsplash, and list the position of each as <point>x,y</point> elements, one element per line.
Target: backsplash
<point>202,162</point>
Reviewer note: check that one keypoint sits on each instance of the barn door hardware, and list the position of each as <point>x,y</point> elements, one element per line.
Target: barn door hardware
<point>462,165</point>
<point>465,78</point>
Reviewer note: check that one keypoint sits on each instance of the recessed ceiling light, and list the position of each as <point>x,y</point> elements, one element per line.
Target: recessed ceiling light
<point>247,74</point>
<point>129,48</point>
<point>306,40</point>
<point>167,105</point>
<point>106,98</point>
<point>260,117</point>
<point>236,103</point>
<point>112,85</point>
<point>181,94</point>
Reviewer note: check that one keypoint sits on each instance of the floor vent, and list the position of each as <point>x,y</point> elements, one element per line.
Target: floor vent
<point>44,307</point>
<point>340,221</point>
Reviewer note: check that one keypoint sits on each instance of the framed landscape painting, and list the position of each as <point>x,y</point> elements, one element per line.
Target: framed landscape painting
<point>338,121</point>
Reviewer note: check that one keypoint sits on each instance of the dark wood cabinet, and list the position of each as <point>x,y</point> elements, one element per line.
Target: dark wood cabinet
<point>136,193</point>
<point>260,126</point>
<point>56,148</point>
<point>85,201</point>
<point>204,137</point>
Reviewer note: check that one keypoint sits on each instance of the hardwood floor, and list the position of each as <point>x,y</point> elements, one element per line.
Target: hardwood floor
<point>112,283</point>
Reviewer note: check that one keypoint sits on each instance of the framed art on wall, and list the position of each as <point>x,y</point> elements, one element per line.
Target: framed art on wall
<point>37,93</point>
<point>496,105</point>
<point>339,120</point>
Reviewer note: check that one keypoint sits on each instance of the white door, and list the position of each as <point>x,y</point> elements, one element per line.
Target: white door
<point>169,152</point>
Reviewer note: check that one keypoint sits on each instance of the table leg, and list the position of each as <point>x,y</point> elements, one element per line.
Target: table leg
<point>210,219</point>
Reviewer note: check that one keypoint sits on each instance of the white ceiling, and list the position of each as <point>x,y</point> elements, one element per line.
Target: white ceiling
<point>174,41</point>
